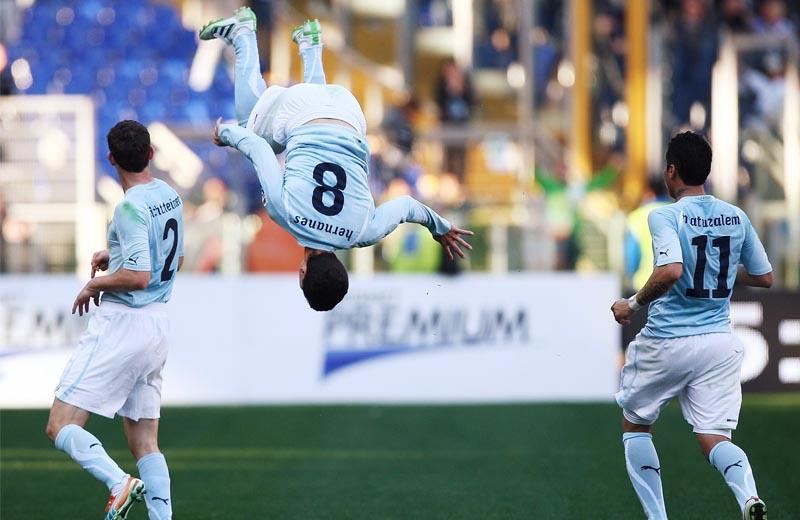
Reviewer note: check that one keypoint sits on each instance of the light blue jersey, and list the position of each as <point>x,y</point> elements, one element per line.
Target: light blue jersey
<point>322,198</point>
<point>710,238</point>
<point>146,234</point>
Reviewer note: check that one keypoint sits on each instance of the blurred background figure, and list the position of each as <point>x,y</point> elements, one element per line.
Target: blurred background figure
<point>772,19</point>
<point>694,50</point>
<point>455,100</point>
<point>399,124</point>
<point>737,16</point>
<point>204,229</point>
<point>638,241</point>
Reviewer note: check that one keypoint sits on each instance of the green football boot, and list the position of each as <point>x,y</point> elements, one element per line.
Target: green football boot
<point>225,28</point>
<point>308,34</point>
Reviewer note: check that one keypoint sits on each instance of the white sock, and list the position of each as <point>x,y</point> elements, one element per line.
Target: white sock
<point>241,28</point>
<point>644,471</point>
<point>155,474</point>
<point>313,71</point>
<point>731,461</point>
<point>86,450</point>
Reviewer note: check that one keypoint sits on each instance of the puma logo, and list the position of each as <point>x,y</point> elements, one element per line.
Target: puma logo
<point>738,464</point>
<point>657,470</point>
<point>94,444</point>
<point>165,500</point>
<point>665,253</point>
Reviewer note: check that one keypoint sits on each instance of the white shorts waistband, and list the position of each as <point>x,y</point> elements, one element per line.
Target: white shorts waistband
<point>151,309</point>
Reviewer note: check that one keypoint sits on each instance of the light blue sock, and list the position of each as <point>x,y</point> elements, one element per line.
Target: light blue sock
<point>644,471</point>
<point>86,450</point>
<point>731,461</point>
<point>248,82</point>
<point>155,474</point>
<point>313,71</point>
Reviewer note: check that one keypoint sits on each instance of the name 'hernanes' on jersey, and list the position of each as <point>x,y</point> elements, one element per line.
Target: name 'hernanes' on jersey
<point>322,197</point>
<point>146,234</point>
<point>711,238</point>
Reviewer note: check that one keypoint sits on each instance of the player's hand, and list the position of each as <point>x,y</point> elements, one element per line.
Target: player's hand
<point>99,261</point>
<point>215,137</point>
<point>452,241</point>
<point>84,298</point>
<point>622,311</point>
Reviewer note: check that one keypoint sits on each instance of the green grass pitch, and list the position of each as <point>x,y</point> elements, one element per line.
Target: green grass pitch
<point>559,461</point>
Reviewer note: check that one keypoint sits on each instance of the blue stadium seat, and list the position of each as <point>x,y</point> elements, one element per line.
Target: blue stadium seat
<point>133,58</point>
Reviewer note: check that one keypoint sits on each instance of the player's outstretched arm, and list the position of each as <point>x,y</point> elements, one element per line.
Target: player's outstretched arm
<point>257,151</point>
<point>661,281</point>
<point>753,280</point>
<point>407,209</point>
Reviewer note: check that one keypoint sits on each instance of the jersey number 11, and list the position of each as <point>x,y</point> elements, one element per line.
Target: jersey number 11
<point>722,290</point>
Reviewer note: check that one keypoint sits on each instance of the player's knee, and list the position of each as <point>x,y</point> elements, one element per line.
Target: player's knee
<point>326,282</point>
<point>708,441</point>
<point>629,427</point>
<point>142,446</point>
<point>52,428</point>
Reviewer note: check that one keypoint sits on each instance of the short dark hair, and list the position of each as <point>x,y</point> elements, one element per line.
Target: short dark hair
<point>129,144</point>
<point>691,155</point>
<point>326,282</point>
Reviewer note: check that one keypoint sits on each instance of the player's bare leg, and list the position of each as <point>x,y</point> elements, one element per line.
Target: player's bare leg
<point>65,429</point>
<point>644,468</point>
<point>308,38</point>
<point>238,30</point>
<point>142,438</point>
<point>731,461</point>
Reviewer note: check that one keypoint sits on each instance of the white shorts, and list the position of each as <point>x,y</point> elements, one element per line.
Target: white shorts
<point>703,371</point>
<point>280,110</point>
<point>117,366</point>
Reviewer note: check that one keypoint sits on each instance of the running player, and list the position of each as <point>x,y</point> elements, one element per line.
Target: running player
<point>701,246</point>
<point>116,368</point>
<point>322,198</point>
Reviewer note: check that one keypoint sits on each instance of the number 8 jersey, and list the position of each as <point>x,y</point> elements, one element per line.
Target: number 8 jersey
<point>146,234</point>
<point>710,238</point>
<point>323,197</point>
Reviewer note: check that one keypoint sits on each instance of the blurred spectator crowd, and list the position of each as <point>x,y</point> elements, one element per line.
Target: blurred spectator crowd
<point>134,60</point>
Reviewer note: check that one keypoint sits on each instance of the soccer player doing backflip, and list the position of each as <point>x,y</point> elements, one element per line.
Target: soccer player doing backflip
<point>321,197</point>
<point>701,247</point>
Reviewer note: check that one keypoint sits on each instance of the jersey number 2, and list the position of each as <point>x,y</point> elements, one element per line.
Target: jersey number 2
<point>722,290</point>
<point>166,273</point>
<point>319,191</point>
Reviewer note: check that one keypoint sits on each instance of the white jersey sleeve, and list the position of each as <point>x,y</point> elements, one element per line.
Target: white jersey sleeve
<point>261,156</point>
<point>393,213</point>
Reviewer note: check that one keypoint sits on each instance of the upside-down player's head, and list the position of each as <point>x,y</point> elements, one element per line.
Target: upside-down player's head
<point>688,161</point>
<point>324,281</point>
<point>129,146</point>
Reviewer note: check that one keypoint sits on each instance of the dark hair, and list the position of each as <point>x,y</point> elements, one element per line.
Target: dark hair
<point>129,144</point>
<point>691,155</point>
<point>326,282</point>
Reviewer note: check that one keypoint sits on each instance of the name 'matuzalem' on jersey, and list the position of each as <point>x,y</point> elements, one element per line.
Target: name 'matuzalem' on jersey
<point>146,234</point>
<point>711,238</point>
<point>323,198</point>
